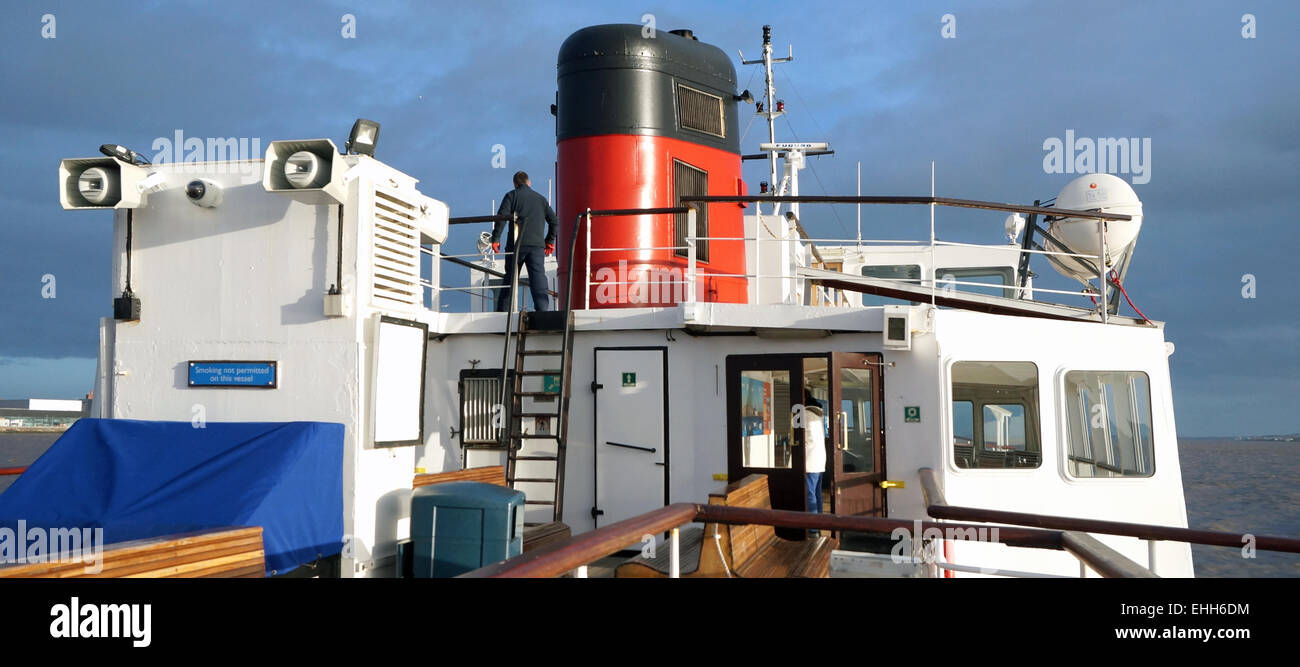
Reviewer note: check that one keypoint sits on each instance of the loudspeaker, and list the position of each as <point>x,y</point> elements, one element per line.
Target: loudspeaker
<point>309,171</point>
<point>101,183</point>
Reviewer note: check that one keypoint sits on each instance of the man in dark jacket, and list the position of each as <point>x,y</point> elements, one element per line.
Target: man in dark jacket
<point>532,247</point>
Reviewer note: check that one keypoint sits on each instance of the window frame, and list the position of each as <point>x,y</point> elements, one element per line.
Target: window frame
<point>1063,419</point>
<point>1033,419</point>
<point>960,273</point>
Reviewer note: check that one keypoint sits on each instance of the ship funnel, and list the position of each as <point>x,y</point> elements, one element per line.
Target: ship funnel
<point>1094,192</point>
<point>309,171</point>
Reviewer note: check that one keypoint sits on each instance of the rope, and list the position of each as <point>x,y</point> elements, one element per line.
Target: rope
<point>1114,279</point>
<point>717,541</point>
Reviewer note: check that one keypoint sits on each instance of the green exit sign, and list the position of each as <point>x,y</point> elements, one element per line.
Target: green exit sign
<point>551,383</point>
<point>629,379</point>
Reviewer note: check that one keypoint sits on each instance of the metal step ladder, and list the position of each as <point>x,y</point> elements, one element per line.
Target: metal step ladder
<point>534,459</point>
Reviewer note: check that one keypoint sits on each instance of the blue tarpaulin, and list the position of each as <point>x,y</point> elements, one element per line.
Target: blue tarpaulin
<point>139,479</point>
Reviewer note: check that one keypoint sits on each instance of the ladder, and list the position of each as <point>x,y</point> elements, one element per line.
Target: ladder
<point>536,459</point>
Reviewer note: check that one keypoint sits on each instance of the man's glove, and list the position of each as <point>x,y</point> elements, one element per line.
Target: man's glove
<point>550,249</point>
<point>496,247</point>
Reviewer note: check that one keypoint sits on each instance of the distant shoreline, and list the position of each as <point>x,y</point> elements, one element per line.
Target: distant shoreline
<point>33,429</point>
<point>1244,438</point>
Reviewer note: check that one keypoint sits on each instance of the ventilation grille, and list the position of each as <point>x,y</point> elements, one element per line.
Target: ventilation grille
<point>688,180</point>
<point>699,111</point>
<point>478,396</point>
<point>395,253</point>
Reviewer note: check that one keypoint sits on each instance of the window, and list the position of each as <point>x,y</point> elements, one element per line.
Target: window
<point>1004,398</point>
<point>765,430</point>
<point>1000,280</point>
<point>1108,414</point>
<point>699,111</point>
<point>910,273</point>
<point>688,180</point>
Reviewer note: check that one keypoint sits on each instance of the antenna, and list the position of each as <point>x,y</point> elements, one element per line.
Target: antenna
<point>771,112</point>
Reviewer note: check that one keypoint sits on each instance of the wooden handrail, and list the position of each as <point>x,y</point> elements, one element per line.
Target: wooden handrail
<point>938,507</point>
<point>13,471</point>
<point>1102,559</point>
<point>578,551</point>
<point>1025,530</point>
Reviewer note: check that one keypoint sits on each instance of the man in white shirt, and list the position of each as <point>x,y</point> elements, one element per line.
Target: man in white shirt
<point>814,445</point>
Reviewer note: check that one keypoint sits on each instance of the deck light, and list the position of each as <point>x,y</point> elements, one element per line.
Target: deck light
<point>123,153</point>
<point>745,97</point>
<point>365,133</point>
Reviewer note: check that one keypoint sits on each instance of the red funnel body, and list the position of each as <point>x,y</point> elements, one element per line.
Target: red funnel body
<point>639,122</point>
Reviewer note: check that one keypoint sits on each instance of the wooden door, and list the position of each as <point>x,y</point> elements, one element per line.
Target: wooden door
<point>857,434</point>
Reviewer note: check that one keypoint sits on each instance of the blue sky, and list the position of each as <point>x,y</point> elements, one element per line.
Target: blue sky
<point>448,81</point>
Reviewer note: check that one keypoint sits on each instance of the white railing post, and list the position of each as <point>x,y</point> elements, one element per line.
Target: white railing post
<point>1101,270</point>
<point>675,554</point>
<point>690,255</point>
<point>1151,556</point>
<point>758,252</point>
<point>586,294</point>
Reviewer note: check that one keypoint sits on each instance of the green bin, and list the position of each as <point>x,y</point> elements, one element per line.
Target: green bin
<point>457,527</point>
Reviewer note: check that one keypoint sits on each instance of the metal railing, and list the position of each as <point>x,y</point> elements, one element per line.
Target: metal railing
<point>693,274</point>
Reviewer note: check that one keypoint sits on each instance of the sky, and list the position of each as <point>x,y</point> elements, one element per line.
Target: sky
<point>975,87</point>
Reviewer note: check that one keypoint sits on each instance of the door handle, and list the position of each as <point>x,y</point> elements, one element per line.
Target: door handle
<point>844,431</point>
<point>650,450</point>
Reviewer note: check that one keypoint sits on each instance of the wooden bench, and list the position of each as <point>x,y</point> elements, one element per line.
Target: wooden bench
<point>219,552</point>
<point>747,551</point>
<point>535,537</point>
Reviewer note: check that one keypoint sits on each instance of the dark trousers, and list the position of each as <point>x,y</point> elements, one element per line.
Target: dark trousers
<point>534,259</point>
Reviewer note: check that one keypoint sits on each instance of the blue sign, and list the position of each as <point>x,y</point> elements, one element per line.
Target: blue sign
<point>260,374</point>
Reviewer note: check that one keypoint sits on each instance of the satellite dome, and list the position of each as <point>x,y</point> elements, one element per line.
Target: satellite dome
<point>1103,193</point>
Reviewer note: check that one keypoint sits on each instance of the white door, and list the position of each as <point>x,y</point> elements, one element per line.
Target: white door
<point>631,447</point>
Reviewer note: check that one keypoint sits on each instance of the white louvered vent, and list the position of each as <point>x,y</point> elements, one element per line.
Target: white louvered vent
<point>395,253</point>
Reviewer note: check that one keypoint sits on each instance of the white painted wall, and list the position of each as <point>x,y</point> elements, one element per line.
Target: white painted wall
<point>919,377</point>
<point>246,281</point>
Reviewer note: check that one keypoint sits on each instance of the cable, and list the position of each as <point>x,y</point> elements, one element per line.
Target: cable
<point>752,72</point>
<point>834,210</point>
<point>128,291</point>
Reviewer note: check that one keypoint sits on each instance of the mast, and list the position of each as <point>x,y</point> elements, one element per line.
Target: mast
<point>770,111</point>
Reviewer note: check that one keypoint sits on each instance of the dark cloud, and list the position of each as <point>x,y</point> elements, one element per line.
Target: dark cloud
<point>449,81</point>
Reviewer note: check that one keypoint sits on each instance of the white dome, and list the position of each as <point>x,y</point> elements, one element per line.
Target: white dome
<point>1094,192</point>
